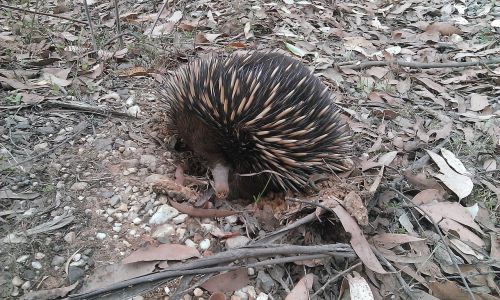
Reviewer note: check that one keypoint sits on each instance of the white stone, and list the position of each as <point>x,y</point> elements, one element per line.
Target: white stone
<point>17,281</point>
<point>237,241</point>
<point>180,219</point>
<point>163,214</point>
<point>22,258</point>
<point>262,296</point>
<point>100,235</point>
<point>36,265</point>
<point>205,244</point>
<point>198,292</point>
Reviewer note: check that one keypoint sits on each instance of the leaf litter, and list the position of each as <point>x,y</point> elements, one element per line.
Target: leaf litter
<point>426,158</point>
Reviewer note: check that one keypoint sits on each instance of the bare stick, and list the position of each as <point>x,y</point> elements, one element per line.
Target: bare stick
<point>165,3</point>
<point>403,283</point>
<point>336,277</point>
<point>204,265</point>
<point>43,14</point>
<point>118,26</point>
<point>87,12</point>
<point>417,65</point>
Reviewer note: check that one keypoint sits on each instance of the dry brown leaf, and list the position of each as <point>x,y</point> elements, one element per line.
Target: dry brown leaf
<point>378,72</point>
<point>387,158</point>
<point>464,233</point>
<point>373,188</point>
<point>301,289</point>
<point>432,85</point>
<point>495,247</point>
<point>460,184</point>
<point>217,296</point>
<point>162,252</point>
<point>161,29</point>
<point>451,210</point>
<point>466,249</point>
<point>13,83</point>
<point>454,162</point>
<point>31,99</point>
<point>202,212</point>
<point>428,196</point>
<point>448,290</point>
<point>227,282</point>
<point>391,240</point>
<point>358,241</point>
<point>478,102</point>
<point>109,274</point>
<point>445,29</point>
<point>358,287</point>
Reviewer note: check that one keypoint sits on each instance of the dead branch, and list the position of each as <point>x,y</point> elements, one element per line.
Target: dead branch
<point>336,277</point>
<point>89,19</point>
<point>210,264</point>
<point>43,14</point>
<point>417,65</point>
<point>118,25</point>
<point>165,3</point>
<point>403,283</point>
<point>75,105</point>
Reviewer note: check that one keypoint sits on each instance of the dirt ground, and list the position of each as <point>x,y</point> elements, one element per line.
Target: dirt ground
<point>83,140</point>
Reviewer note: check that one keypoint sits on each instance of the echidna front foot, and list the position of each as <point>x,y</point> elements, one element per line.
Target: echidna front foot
<point>220,173</point>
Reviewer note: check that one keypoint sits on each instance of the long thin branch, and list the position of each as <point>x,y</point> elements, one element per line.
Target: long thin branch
<point>89,18</point>
<point>43,14</point>
<point>417,65</point>
<point>206,264</point>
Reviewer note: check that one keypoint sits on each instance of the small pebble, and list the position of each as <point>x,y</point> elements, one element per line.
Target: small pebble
<point>70,237</point>
<point>17,281</point>
<point>198,292</point>
<point>77,257</point>
<point>180,219</point>
<point>22,258</point>
<point>100,235</point>
<point>36,265</point>
<point>237,242</point>
<point>251,271</point>
<point>39,255</point>
<point>137,221</point>
<point>15,292</point>
<point>167,290</point>
<point>79,186</point>
<point>262,296</point>
<point>26,285</point>
<point>205,244</point>
<point>190,243</point>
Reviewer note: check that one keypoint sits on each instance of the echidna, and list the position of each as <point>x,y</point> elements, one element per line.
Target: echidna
<point>260,113</point>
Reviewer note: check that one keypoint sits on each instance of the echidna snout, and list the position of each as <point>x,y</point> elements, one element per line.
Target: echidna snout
<point>220,174</point>
<point>257,113</point>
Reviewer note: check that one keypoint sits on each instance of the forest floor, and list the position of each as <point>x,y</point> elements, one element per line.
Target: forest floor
<point>83,146</point>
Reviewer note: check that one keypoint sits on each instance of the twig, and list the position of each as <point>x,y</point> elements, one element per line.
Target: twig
<point>75,105</point>
<point>87,12</point>
<point>417,65</point>
<point>278,234</point>
<point>204,265</point>
<point>118,26</point>
<point>43,14</point>
<point>165,3</point>
<point>336,277</point>
<point>403,283</point>
<point>441,236</point>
